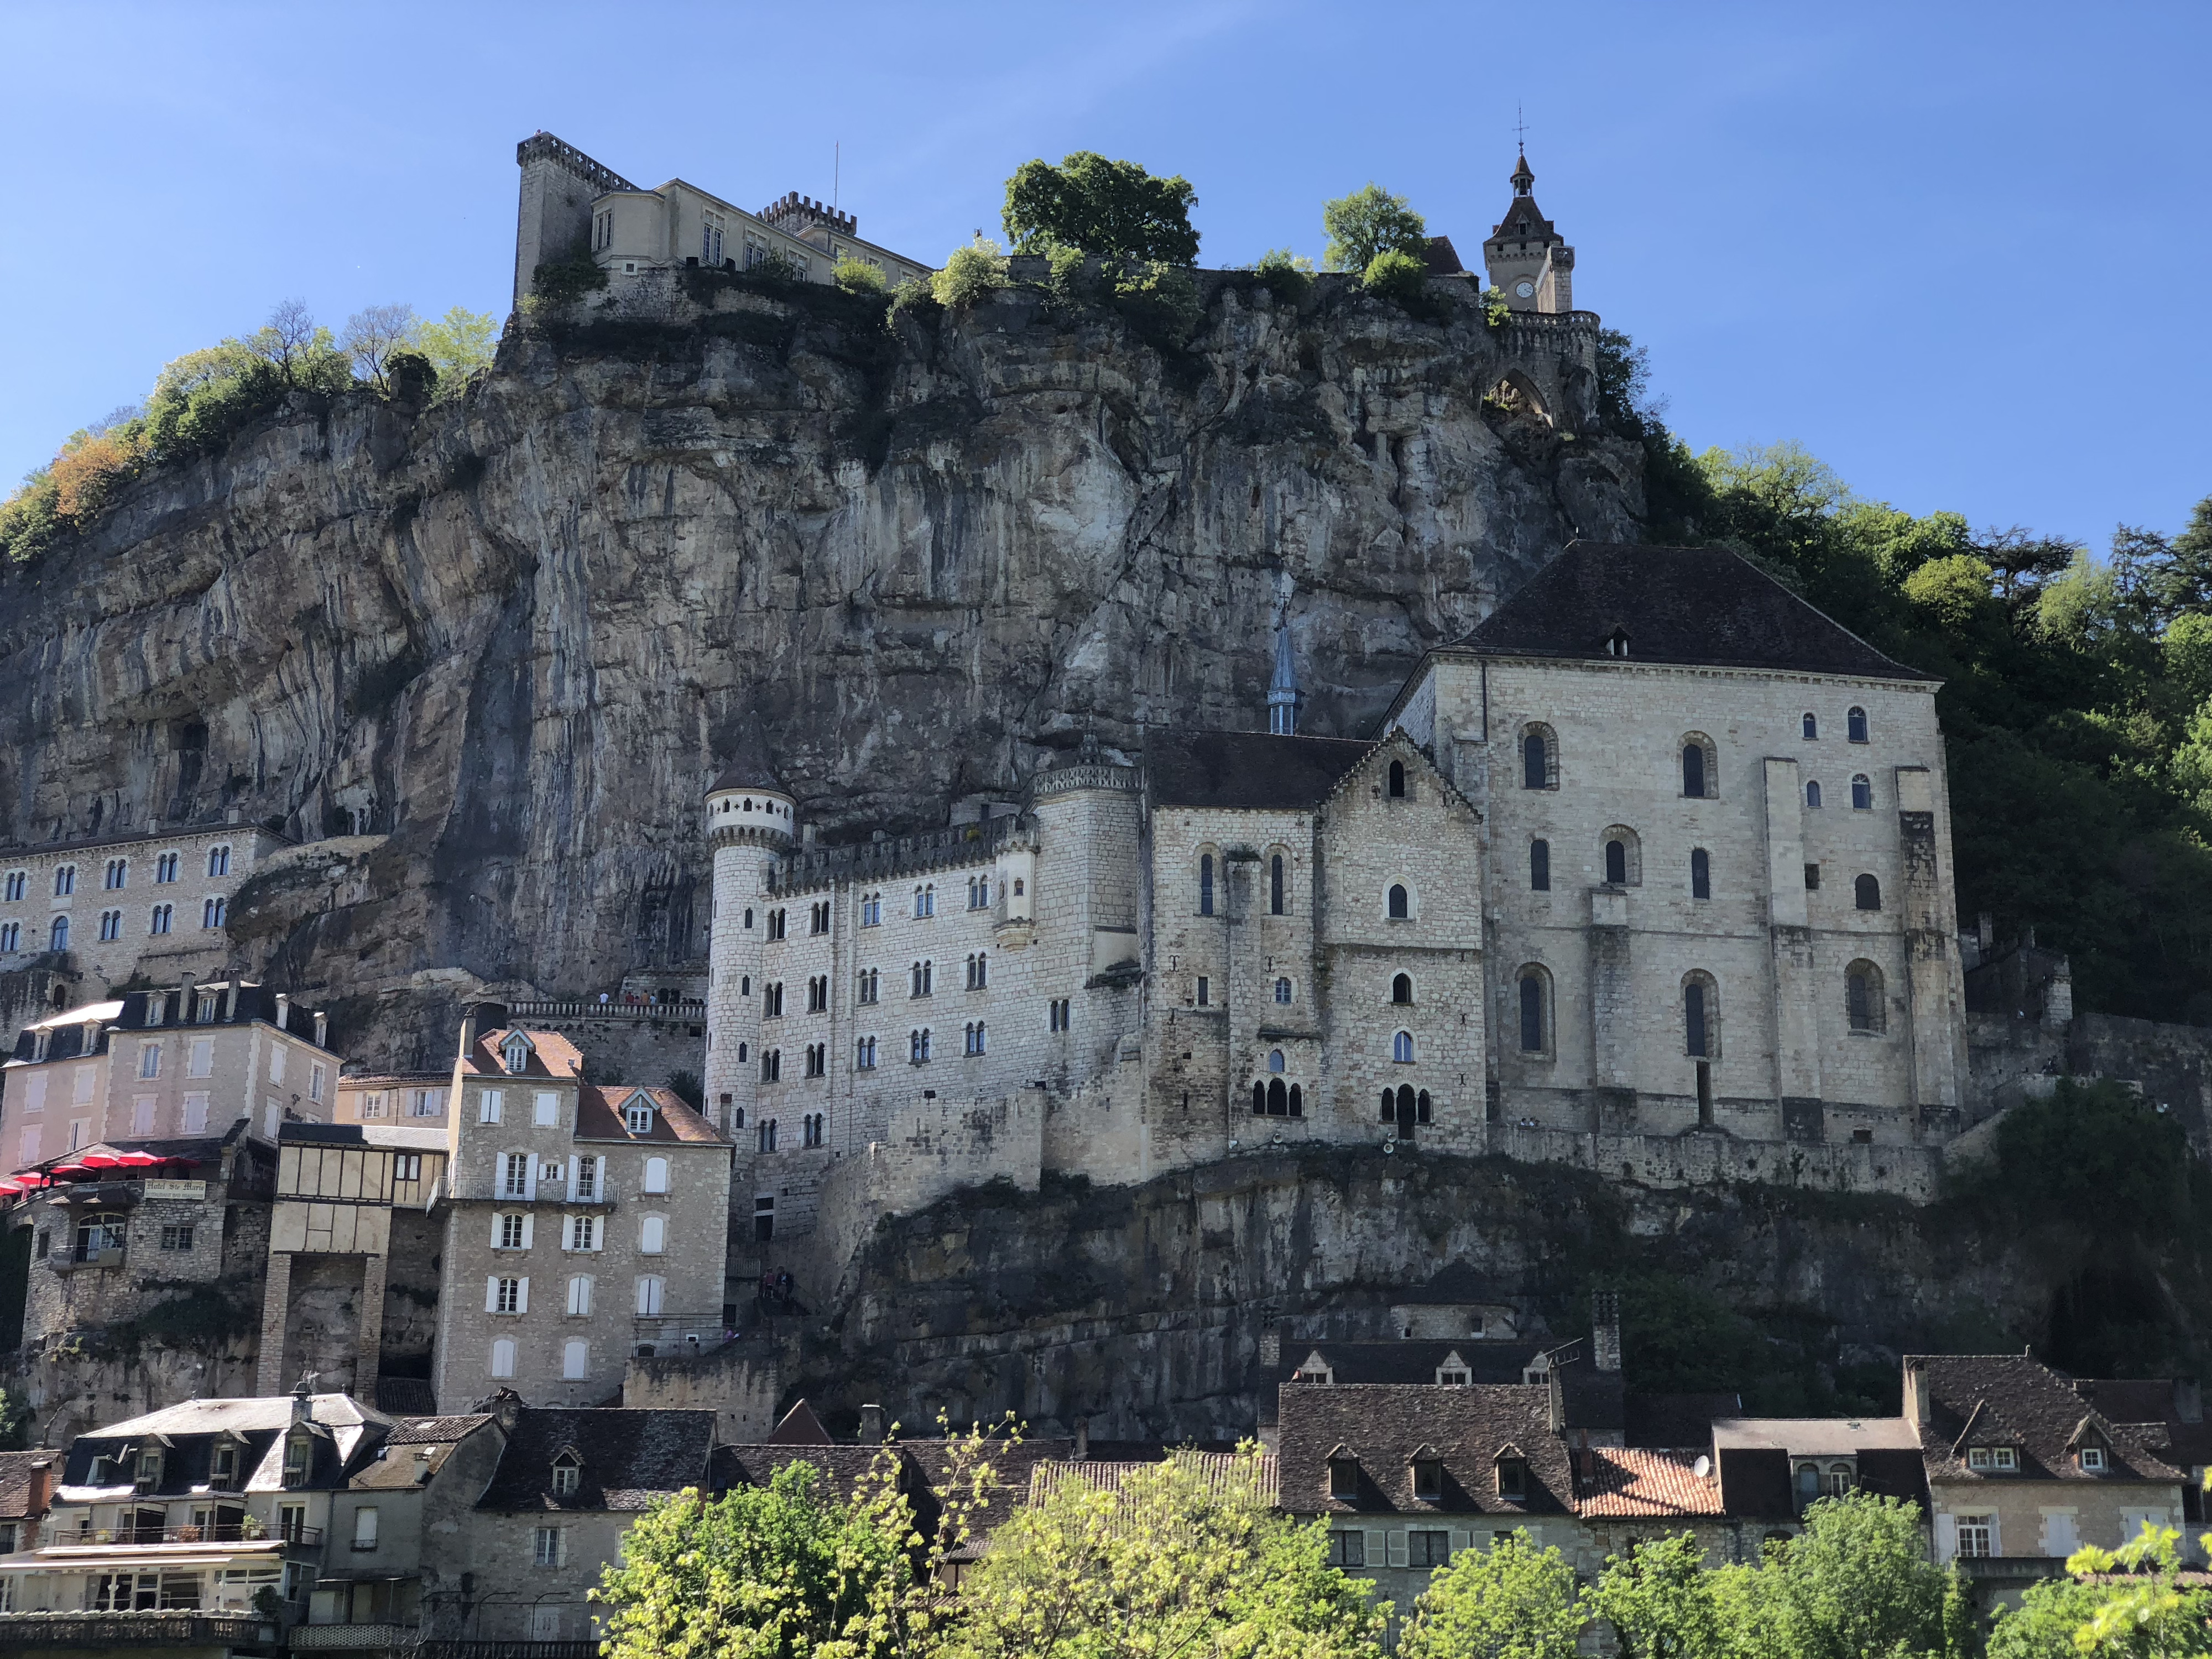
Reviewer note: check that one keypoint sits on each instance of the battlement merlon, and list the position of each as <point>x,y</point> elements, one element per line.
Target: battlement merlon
<point>544,146</point>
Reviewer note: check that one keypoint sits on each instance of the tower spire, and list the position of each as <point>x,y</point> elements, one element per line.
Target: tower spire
<point>1282,688</point>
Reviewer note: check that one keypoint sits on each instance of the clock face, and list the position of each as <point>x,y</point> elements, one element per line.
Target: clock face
<point>1526,290</point>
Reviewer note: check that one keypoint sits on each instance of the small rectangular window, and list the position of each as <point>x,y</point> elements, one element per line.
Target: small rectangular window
<point>1347,1549</point>
<point>1203,987</point>
<point>1812,878</point>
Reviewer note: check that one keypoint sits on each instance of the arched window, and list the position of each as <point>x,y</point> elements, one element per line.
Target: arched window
<point>1540,866</point>
<point>1616,862</point>
<point>575,1364</point>
<point>1402,1048</point>
<point>1409,1109</point>
<point>1400,903</point>
<point>502,1357</point>
<point>1259,1100</point>
<point>1389,1106</point>
<point>1812,728</point>
<point>1701,873</point>
<point>1279,1099</point>
<point>1862,1000</point>
<point>1275,885</point>
<point>1697,1034</point>
<point>1401,987</point>
<point>652,1234</point>
<point>1540,758</point>
<point>1813,794</point>
<point>1421,1107</point>
<point>1535,1014</point>
<point>57,935</point>
<point>1861,792</point>
<point>1275,1061</point>
<point>1855,725</point>
<point>1700,773</point>
<point>1866,893</point>
<point>1205,884</point>
<point>1397,784</point>
<point>1298,1101</point>
<point>651,1290</point>
<point>1282,990</point>
<point>656,1174</point>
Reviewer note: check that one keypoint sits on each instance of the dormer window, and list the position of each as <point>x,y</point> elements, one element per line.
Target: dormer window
<point>149,1469</point>
<point>1512,1476</point>
<point>515,1054</point>
<point>1344,1475</point>
<point>1428,1476</point>
<point>299,1457</point>
<point>638,1116</point>
<point>567,1473</point>
<point>223,1466</point>
<point>2093,1460</point>
<point>2001,1460</point>
<point>1617,645</point>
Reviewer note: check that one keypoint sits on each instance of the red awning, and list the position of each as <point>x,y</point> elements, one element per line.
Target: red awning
<point>70,1169</point>
<point>32,1178</point>
<point>136,1160</point>
<point>9,1188</point>
<point>100,1161</point>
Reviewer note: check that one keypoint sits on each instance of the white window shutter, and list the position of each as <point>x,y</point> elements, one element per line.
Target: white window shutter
<point>522,1295</point>
<point>1397,1540</point>
<point>1459,1540</point>
<point>491,1291</point>
<point>496,1222</point>
<point>1371,1545</point>
<point>530,1176</point>
<point>1997,1543</point>
<point>1947,1538</point>
<point>528,1228</point>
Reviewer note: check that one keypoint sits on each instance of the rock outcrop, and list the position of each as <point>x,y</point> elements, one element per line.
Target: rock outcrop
<point>512,637</point>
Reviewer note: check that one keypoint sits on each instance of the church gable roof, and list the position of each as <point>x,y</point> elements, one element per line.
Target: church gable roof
<point>1701,605</point>
<point>1248,769</point>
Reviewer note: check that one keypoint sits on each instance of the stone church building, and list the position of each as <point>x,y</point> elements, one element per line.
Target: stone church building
<point>1651,872</point>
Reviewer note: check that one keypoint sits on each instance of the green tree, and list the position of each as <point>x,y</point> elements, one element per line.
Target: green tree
<point>1661,1602</point>
<point>1400,275</point>
<point>1857,1582</point>
<point>968,274</point>
<point>458,344</point>
<point>1179,1558</point>
<point>1512,1601</point>
<point>1111,210</point>
<point>1370,222</point>
<point>2128,1603</point>
<point>857,276</point>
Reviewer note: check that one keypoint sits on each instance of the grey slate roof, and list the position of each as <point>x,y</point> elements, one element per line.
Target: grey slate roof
<point>1701,605</point>
<point>1383,1424</point>
<point>16,1482</point>
<point>1248,769</point>
<point>630,1457</point>
<point>2011,1400</point>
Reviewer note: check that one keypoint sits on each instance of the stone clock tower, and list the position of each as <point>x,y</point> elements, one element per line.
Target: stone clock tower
<point>1528,260</point>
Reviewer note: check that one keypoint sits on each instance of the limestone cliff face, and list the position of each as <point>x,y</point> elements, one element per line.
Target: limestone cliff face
<point>521,632</point>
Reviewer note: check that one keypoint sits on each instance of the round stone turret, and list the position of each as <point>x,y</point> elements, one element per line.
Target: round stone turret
<point>748,804</point>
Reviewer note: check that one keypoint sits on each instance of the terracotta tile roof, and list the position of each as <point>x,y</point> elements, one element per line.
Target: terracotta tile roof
<point>17,1472</point>
<point>2011,1400</point>
<point>1638,1480</point>
<point>599,1116</point>
<point>1677,605</point>
<point>552,1055</point>
<point>1381,1425</point>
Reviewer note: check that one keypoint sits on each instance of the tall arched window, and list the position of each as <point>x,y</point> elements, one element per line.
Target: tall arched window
<point>1397,780</point>
<point>57,935</point>
<point>1701,873</point>
<point>1813,794</point>
<point>1863,996</point>
<point>1402,1048</point>
<point>1616,862</point>
<point>1695,1034</point>
<point>1259,1099</point>
<point>1855,725</point>
<point>1205,884</point>
<point>1401,987</point>
<point>1700,766</point>
<point>1866,893</point>
<point>1275,1061</point>
<point>1401,904</point>
<point>1540,758</point>
<point>502,1357</point>
<point>1278,1100</point>
<point>1812,728</point>
<point>1540,866</point>
<point>1275,885</point>
<point>1861,792</point>
<point>1298,1101</point>
<point>1533,1013</point>
<point>1282,990</point>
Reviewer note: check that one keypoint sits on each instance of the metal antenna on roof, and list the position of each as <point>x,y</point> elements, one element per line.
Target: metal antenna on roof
<point>1520,128</point>
<point>836,171</point>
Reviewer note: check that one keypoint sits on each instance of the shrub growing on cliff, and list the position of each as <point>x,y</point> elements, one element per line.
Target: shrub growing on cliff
<point>568,279</point>
<point>1368,222</point>
<point>1112,209</point>
<point>970,273</point>
<point>1396,275</point>
<point>1288,275</point>
<point>858,275</point>
<point>458,344</point>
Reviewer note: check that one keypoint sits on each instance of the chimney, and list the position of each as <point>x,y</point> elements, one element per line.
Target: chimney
<point>1082,1440</point>
<point>284,1011</point>
<point>1559,1397</point>
<point>303,1399</point>
<point>234,816</point>
<point>1916,1394</point>
<point>468,1030</point>
<point>871,1424</point>
<point>230,1000</point>
<point>1605,1330</point>
<point>322,1030</point>
<point>41,1495</point>
<point>2187,1400</point>
<point>507,1406</point>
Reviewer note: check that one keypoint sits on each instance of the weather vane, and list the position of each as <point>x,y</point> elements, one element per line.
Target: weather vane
<point>1520,130</point>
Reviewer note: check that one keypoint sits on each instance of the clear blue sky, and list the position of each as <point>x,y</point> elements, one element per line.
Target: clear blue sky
<point>1960,251</point>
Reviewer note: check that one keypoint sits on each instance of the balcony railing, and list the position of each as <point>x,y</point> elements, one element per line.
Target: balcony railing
<point>328,1637</point>
<point>214,1533</point>
<point>73,1260</point>
<point>560,1009</point>
<point>21,1631</point>
<point>507,1650</point>
<point>2012,1567</point>
<point>495,1192</point>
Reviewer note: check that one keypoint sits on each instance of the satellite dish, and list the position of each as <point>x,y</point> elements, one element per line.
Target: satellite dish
<point>1703,1467</point>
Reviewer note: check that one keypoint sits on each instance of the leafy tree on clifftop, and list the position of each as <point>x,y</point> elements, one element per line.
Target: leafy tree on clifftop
<point>1368,223</point>
<point>1112,209</point>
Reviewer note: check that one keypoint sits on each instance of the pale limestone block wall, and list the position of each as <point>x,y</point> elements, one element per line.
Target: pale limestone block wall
<point>513,1596</point>
<point>741,1382</point>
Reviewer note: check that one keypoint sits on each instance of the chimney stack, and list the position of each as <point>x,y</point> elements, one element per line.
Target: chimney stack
<point>185,1011</point>
<point>230,1000</point>
<point>1083,1440</point>
<point>284,1011</point>
<point>871,1424</point>
<point>468,1030</point>
<point>322,1030</point>
<point>303,1399</point>
<point>1605,1330</point>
